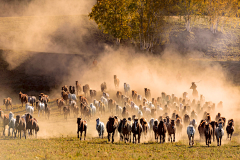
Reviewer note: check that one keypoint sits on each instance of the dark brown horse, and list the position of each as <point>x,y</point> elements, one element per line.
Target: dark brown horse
<point>213,125</point>
<point>86,89</point>
<point>155,130</point>
<point>230,128</point>
<point>126,129</point>
<point>111,126</point>
<point>144,124</point>
<point>7,102</point>
<point>23,98</point>
<point>111,105</point>
<point>31,124</point>
<point>201,129</point>
<point>208,133</point>
<point>125,113</point>
<point>82,127</point>
<point>136,130</point>
<point>162,129</point>
<point>5,120</point>
<point>179,126</point>
<point>147,93</point>
<point>20,125</point>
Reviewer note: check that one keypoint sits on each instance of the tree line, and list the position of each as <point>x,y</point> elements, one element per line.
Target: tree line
<point>144,22</point>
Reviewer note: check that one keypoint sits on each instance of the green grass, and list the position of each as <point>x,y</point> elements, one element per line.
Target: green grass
<point>72,148</point>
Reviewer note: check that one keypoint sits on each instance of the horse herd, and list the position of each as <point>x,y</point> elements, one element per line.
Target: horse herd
<point>132,116</point>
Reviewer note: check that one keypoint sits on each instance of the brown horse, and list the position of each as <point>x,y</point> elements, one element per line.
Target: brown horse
<point>119,96</point>
<point>218,117</point>
<point>101,107</point>
<point>5,120</point>
<point>7,102</point>
<point>86,111</point>
<point>230,128</point>
<point>31,124</point>
<point>126,128</point>
<point>23,98</point>
<point>86,89</point>
<point>64,95</point>
<point>116,81</point>
<point>125,113</point>
<point>186,119</point>
<point>213,125</point>
<point>162,129</point>
<point>66,111</point>
<point>111,105</point>
<point>78,88</point>
<point>147,93</point>
<point>208,133</point>
<point>136,130</point>
<point>134,95</point>
<point>179,126</point>
<point>60,104</point>
<point>75,110</point>
<point>111,127</point>
<point>20,125</point>
<point>171,131</point>
<point>82,127</point>
<point>103,86</point>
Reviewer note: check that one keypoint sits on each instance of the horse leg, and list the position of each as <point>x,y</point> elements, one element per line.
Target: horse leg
<point>108,137</point>
<point>193,140</point>
<point>85,134</point>
<point>139,137</point>
<point>78,133</point>
<point>189,138</point>
<point>81,136</point>
<point>174,137</point>
<point>206,141</point>
<point>220,141</point>
<point>113,136</point>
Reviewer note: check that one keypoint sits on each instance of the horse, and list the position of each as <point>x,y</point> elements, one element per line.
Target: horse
<point>208,133</point>
<point>171,131</point>
<point>136,130</point>
<point>72,96</point>
<point>213,124</point>
<point>100,127</point>
<point>111,105</point>
<point>29,109</point>
<point>66,111</point>
<point>179,126</point>
<point>75,110</point>
<point>5,120</point>
<point>219,132</point>
<point>134,95</point>
<point>47,110</point>
<point>93,109</point>
<point>155,129</point>
<point>72,103</point>
<point>40,107</point>
<point>194,88</point>
<point>23,98</point>
<point>201,128</point>
<point>186,119</point>
<point>31,124</point>
<point>7,102</point>
<point>93,94</point>
<point>125,113</point>
<point>103,86</point>
<point>60,104</point>
<point>126,128</point>
<point>11,123</point>
<point>144,124</point>
<point>230,128</point>
<point>162,129</point>
<point>82,127</point>
<point>126,88</point>
<point>116,81</point>
<point>101,107</point>
<point>111,127</point>
<point>147,93</point>
<point>191,132</point>
<point>20,125</point>
<point>78,88</point>
<point>32,100</point>
<point>86,89</point>
<point>119,110</point>
<point>64,95</point>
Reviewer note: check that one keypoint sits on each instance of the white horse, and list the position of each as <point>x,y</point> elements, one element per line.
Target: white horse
<point>41,107</point>
<point>105,95</point>
<point>72,96</point>
<point>194,123</point>
<point>32,100</point>
<point>104,101</point>
<point>29,109</point>
<point>126,88</point>
<point>135,109</point>
<point>191,132</point>
<point>118,110</point>
<point>11,123</point>
<point>219,132</point>
<point>96,103</point>
<point>100,127</point>
<point>93,109</point>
